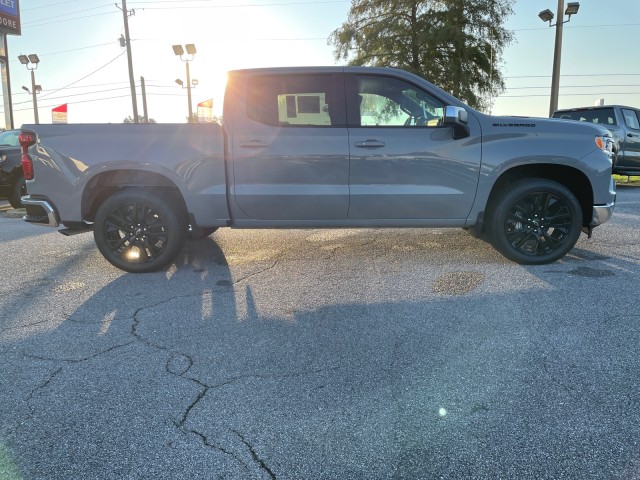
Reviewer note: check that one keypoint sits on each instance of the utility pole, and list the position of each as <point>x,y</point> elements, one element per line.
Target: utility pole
<point>557,55</point>
<point>127,41</point>
<point>547,16</point>
<point>144,100</point>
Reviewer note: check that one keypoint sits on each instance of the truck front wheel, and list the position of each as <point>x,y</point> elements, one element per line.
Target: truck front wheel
<point>138,231</point>
<point>535,221</point>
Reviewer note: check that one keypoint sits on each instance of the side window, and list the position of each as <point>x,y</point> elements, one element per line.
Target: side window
<point>296,100</point>
<point>379,101</point>
<point>631,118</point>
<point>603,116</point>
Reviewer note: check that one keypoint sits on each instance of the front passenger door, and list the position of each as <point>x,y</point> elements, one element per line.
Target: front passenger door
<point>404,163</point>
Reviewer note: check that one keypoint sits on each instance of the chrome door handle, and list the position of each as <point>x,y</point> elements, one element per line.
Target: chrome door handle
<point>254,144</point>
<point>370,144</point>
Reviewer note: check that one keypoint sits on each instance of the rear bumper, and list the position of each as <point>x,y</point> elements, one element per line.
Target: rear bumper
<point>40,211</point>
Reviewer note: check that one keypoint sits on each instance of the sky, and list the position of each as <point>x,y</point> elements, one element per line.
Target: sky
<point>83,65</point>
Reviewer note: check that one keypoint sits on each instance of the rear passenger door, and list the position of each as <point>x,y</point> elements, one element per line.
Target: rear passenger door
<point>290,148</point>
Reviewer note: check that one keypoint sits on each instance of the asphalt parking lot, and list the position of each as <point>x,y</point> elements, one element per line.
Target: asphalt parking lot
<point>321,354</point>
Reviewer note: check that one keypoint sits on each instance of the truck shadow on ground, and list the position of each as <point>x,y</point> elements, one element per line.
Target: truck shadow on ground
<point>206,369</point>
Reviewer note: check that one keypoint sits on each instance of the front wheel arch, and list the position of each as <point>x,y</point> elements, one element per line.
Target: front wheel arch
<point>572,178</point>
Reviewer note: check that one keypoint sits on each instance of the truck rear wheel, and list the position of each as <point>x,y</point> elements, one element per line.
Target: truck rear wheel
<point>138,231</point>
<point>535,221</point>
<point>18,190</point>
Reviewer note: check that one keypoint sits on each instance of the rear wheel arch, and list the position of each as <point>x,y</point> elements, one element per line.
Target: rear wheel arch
<point>104,185</point>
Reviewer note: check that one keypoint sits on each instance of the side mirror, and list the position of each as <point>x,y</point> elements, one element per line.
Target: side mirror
<point>458,118</point>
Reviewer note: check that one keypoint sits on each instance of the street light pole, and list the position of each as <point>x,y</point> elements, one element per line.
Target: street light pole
<point>35,97</point>
<point>28,60</point>
<point>547,16</point>
<point>190,51</point>
<point>189,92</point>
<point>557,55</point>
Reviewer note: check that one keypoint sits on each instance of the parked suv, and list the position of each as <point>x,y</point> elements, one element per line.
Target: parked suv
<point>12,184</point>
<point>623,123</point>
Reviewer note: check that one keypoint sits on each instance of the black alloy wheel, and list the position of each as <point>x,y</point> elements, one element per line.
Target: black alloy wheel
<point>536,221</point>
<point>137,231</point>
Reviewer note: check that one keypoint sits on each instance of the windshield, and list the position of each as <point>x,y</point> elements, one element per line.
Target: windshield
<point>10,138</point>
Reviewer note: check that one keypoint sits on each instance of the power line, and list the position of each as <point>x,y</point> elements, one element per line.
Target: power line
<point>36,24</point>
<point>580,26</point>
<point>50,5</point>
<point>76,94</point>
<point>49,17</point>
<point>71,103</point>
<point>86,76</point>
<point>42,22</point>
<point>569,94</point>
<point>573,86</point>
<point>93,100</point>
<point>182,4</point>
<point>78,49</point>
<point>578,75</point>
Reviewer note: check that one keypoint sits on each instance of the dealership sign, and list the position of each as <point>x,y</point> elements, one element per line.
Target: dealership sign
<point>59,114</point>
<point>9,17</point>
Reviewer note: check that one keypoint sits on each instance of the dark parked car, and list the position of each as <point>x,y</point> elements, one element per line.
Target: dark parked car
<point>623,123</point>
<point>12,184</point>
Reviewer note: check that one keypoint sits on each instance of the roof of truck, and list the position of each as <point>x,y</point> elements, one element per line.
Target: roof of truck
<point>593,107</point>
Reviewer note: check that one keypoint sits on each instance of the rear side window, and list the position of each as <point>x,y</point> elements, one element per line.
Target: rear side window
<point>297,100</point>
<point>603,116</point>
<point>631,118</point>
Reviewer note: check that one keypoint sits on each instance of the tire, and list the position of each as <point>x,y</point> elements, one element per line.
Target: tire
<point>138,231</point>
<point>535,221</point>
<point>18,190</point>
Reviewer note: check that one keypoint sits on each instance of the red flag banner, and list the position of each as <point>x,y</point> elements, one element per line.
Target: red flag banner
<point>59,114</point>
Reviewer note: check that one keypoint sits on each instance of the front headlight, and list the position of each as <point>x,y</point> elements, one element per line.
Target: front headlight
<point>605,143</point>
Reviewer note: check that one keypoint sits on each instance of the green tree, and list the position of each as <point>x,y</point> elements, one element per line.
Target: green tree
<point>456,44</point>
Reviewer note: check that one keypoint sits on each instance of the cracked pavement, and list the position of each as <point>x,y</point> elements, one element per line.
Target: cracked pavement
<point>321,354</point>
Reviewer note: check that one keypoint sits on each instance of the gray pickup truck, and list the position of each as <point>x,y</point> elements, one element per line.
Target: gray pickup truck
<point>325,147</point>
<point>624,125</point>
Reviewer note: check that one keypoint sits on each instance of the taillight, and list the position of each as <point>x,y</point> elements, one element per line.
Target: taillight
<point>27,139</point>
<point>27,166</point>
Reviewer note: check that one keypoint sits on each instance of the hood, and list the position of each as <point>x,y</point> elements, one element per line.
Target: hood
<point>492,124</point>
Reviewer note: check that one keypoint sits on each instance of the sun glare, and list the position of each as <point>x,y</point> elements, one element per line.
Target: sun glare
<point>225,38</point>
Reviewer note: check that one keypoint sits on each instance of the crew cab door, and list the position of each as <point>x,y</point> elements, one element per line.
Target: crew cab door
<point>290,149</point>
<point>631,154</point>
<point>404,163</point>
